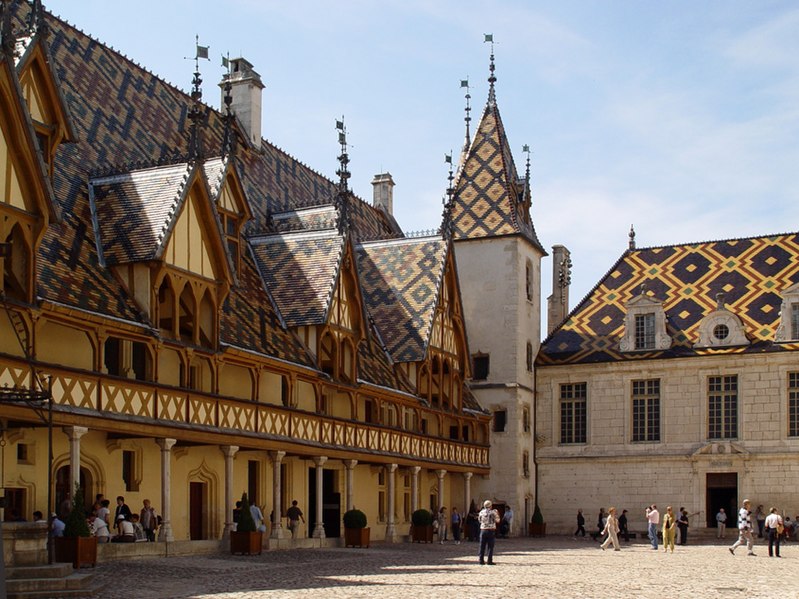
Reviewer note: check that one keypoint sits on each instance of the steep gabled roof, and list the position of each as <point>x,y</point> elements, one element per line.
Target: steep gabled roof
<point>490,197</point>
<point>750,272</point>
<point>300,270</point>
<point>401,282</point>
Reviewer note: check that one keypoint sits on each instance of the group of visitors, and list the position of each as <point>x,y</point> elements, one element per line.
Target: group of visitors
<point>442,524</point>
<point>611,525</point>
<point>773,528</point>
<point>294,516</point>
<point>127,527</point>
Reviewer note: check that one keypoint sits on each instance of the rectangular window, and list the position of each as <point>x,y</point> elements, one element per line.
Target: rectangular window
<point>22,453</point>
<point>526,419</point>
<point>646,410</point>
<point>500,420</point>
<point>573,410</point>
<point>793,404</point>
<point>645,331</point>
<point>722,403</point>
<point>795,320</point>
<point>480,371</point>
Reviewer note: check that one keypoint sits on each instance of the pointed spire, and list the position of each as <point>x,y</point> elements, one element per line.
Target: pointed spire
<point>492,99</point>
<point>526,150</point>
<point>196,111</point>
<point>227,100</point>
<point>446,216</point>
<point>468,117</point>
<point>344,175</point>
<point>8,39</point>
<point>631,243</point>
<point>35,21</point>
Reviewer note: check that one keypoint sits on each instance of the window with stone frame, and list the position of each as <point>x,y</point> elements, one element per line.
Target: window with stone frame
<point>646,410</point>
<point>480,364</point>
<point>722,403</point>
<point>788,328</point>
<point>526,419</point>
<point>795,321</point>
<point>526,464</point>
<point>573,413</point>
<point>529,357</point>
<point>500,420</point>
<point>645,331</point>
<point>793,404</point>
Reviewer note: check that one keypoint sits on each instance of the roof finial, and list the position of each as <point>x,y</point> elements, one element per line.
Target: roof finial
<point>526,150</point>
<point>36,20</point>
<point>195,114</point>
<point>8,39</point>
<point>489,38</point>
<point>227,99</point>
<point>719,301</point>
<point>631,244</point>
<point>344,174</point>
<point>468,117</point>
<point>446,217</point>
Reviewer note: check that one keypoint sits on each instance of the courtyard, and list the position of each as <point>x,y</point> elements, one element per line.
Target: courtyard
<point>557,567</point>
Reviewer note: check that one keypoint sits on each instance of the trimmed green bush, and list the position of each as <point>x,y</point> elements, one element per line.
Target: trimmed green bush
<point>422,517</point>
<point>354,519</point>
<point>538,517</point>
<point>246,522</point>
<point>76,525</point>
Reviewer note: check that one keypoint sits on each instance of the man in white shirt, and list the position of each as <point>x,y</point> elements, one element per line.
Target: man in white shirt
<point>744,529</point>
<point>773,520</point>
<point>653,519</point>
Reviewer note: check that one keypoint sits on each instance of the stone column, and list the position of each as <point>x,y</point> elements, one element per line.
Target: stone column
<point>74,433</point>
<point>467,491</point>
<point>441,474</point>
<point>166,446</point>
<point>277,509</point>
<point>415,488</point>
<point>229,451</point>
<point>391,529</point>
<point>319,529</point>
<point>349,465</point>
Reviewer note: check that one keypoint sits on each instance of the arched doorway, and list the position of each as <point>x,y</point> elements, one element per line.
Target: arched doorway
<point>64,493</point>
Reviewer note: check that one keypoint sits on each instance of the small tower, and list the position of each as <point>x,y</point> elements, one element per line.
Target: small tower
<point>246,86</point>
<point>558,302</point>
<point>383,193</point>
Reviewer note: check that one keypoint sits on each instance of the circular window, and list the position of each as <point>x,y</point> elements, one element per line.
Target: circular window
<point>721,332</point>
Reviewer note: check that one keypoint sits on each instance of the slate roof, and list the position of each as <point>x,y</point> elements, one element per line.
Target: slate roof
<point>135,211</point>
<point>490,199</point>
<point>401,282</point>
<point>750,272</point>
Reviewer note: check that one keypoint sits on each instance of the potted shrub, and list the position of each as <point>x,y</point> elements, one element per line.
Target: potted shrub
<point>538,528</point>
<point>246,539</point>
<point>77,545</point>
<point>422,526</point>
<point>356,533</point>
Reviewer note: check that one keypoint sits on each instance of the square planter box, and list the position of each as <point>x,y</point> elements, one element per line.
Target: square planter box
<point>81,551</point>
<point>356,537</point>
<point>246,543</point>
<point>422,534</point>
<point>538,530</point>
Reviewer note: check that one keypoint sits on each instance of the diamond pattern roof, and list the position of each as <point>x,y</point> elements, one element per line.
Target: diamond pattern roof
<point>750,272</point>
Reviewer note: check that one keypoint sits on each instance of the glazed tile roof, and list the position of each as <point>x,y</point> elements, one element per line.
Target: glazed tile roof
<point>306,219</point>
<point>300,270</point>
<point>136,210</point>
<point>750,272</point>
<point>490,198</point>
<point>401,283</point>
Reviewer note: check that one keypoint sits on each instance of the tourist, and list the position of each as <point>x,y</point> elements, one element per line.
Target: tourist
<point>760,518</point>
<point>612,530</point>
<point>258,517</point>
<point>600,523</point>
<point>775,527</point>
<point>138,530</point>
<point>669,529</point>
<point>125,531</point>
<point>507,522</point>
<point>294,515</point>
<point>683,524</point>
<point>623,526</point>
<point>442,524</point>
<point>721,523</point>
<point>473,523</point>
<point>488,519</point>
<point>455,523</point>
<point>149,520</point>
<point>56,526</point>
<point>744,529</point>
<point>122,509</point>
<point>653,519</point>
<point>99,529</point>
<point>38,517</point>
<point>580,524</point>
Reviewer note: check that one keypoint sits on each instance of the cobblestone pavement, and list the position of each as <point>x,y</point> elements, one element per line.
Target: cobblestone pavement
<point>556,567</point>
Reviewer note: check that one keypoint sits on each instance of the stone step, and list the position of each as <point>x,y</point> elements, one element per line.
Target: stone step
<point>77,584</point>
<point>57,570</point>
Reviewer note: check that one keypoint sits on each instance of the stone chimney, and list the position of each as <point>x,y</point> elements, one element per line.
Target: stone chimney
<point>383,196</point>
<point>246,93</point>
<point>558,302</point>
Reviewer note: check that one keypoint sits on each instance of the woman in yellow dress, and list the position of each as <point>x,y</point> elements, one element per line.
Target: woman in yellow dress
<point>669,529</point>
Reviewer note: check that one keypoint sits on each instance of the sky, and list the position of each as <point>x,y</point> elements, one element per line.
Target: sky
<point>679,118</point>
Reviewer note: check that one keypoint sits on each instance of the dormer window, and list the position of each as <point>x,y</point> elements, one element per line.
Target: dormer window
<point>645,325</point>
<point>721,328</point>
<point>788,329</point>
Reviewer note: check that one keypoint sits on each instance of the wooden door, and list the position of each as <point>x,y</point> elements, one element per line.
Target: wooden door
<point>197,511</point>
